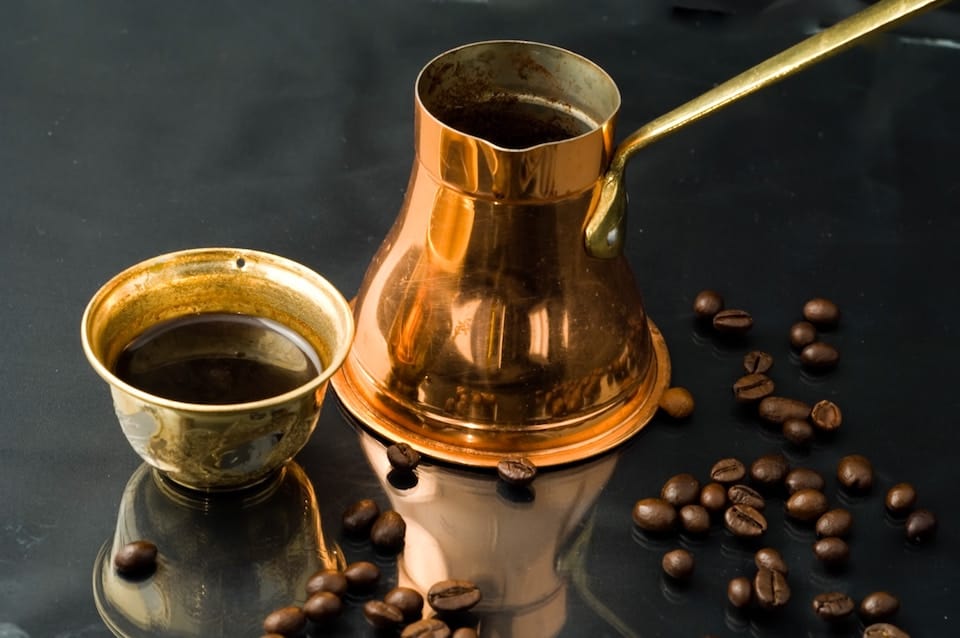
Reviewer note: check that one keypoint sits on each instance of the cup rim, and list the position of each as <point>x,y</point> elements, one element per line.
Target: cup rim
<point>338,355</point>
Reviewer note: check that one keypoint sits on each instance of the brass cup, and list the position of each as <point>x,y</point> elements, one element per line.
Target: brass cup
<point>210,447</point>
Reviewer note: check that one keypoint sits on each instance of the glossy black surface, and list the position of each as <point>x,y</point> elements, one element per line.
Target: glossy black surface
<point>129,130</point>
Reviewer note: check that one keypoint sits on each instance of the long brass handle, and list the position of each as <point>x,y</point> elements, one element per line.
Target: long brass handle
<point>604,231</point>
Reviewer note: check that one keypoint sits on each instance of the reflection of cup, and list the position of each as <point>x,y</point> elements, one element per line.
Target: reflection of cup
<point>210,446</point>
<point>463,524</point>
<point>224,563</point>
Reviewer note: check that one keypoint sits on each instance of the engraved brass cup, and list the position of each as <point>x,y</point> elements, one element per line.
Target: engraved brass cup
<point>203,446</point>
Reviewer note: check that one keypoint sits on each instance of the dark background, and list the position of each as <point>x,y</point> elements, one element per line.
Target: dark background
<point>132,129</point>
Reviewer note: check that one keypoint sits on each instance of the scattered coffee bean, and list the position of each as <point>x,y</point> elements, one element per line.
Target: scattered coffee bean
<point>901,498</point>
<point>678,564</point>
<point>728,471</point>
<point>739,591</point>
<point>135,560</point>
<point>779,409</point>
<point>382,615</point>
<point>803,478</point>
<point>426,628</point>
<point>769,470</point>
<point>358,518</point>
<point>680,490</point>
<point>677,402</point>
<point>878,606</point>
<point>770,588</point>
<point>798,431</point>
<point>855,473</point>
<point>770,558</point>
<point>821,312</point>
<point>465,632</point>
<point>707,303</point>
<point>732,322</point>
<point>322,607</point>
<point>285,621</point>
<point>518,472</point>
<point>819,356</point>
<point>744,521</point>
<point>884,630</point>
<point>695,519</point>
<point>388,532</point>
<point>403,457</point>
<point>831,551</point>
<point>361,576</point>
<point>921,526</point>
<point>407,600</point>
<point>802,334</point>
<point>745,495</point>
<point>806,505</point>
<point>752,387</point>
<point>328,580</point>
<point>826,415</point>
<point>713,497</point>
<point>654,515</point>
<point>836,522</point>
<point>757,362</point>
<point>453,595</point>
<point>832,605</point>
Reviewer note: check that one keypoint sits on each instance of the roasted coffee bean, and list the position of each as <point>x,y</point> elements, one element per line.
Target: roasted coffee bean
<point>328,580</point>
<point>739,591</point>
<point>771,559</point>
<point>921,526</point>
<point>361,576</point>
<point>388,532</point>
<point>358,518</point>
<point>407,600</point>
<point>728,471</point>
<point>744,521</point>
<point>757,362</point>
<point>654,515</point>
<point>819,356</point>
<point>802,334</point>
<point>382,615</point>
<point>833,605</point>
<point>752,387</point>
<point>798,431</point>
<point>137,559</point>
<point>836,522</point>
<point>733,321</point>
<point>901,498</point>
<point>821,312</point>
<point>285,621</point>
<point>803,478</point>
<point>779,409</point>
<point>879,605</point>
<point>826,415</point>
<point>695,519</point>
<point>831,551</point>
<point>745,495</point>
<point>678,564</point>
<point>884,630</point>
<point>770,588</point>
<point>806,505</point>
<point>426,628</point>
<point>677,402</point>
<point>322,607</point>
<point>855,473</point>
<point>465,632</point>
<point>713,497</point>
<point>519,471</point>
<point>453,595</point>
<point>403,457</point>
<point>707,303</point>
<point>680,490</point>
<point>769,470</point>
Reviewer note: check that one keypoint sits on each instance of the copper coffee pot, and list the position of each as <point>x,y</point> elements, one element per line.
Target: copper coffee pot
<point>499,316</point>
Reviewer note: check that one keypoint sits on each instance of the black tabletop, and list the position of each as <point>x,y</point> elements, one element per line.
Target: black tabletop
<point>129,130</point>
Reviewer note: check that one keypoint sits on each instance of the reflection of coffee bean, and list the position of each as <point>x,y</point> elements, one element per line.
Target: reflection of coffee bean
<point>678,564</point>
<point>407,600</point>
<point>769,470</point>
<point>826,415</point>
<point>855,473</point>
<point>680,490</point>
<point>426,628</point>
<point>806,505</point>
<point>921,526</point>
<point>654,515</point>
<point>329,580</point>
<point>798,431</point>
<point>732,321</point>
<point>285,621</point>
<point>831,551</point>
<point>388,532</point>
<point>677,402</point>
<point>836,522</point>
<point>803,478</point>
<point>878,605</point>
<point>403,457</point>
<point>135,560</point>
<point>900,499</point>
<point>744,521</point>
<point>745,495</point>
<point>821,312</point>
<point>819,356</point>
<point>770,588</point>
<point>757,362</point>
<point>382,615</point>
<point>832,605</point>
<point>465,632</point>
<point>359,517</point>
<point>884,630</point>
<point>707,303</point>
<point>752,387</point>
<point>361,576</point>
<point>802,333</point>
<point>770,558</point>
<point>739,591</point>
<point>779,409</point>
<point>516,471</point>
<point>729,470</point>
<point>713,497</point>
<point>453,595</point>
<point>322,607</point>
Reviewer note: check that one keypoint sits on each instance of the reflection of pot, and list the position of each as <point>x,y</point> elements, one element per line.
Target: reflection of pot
<point>463,524</point>
<point>224,561</point>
